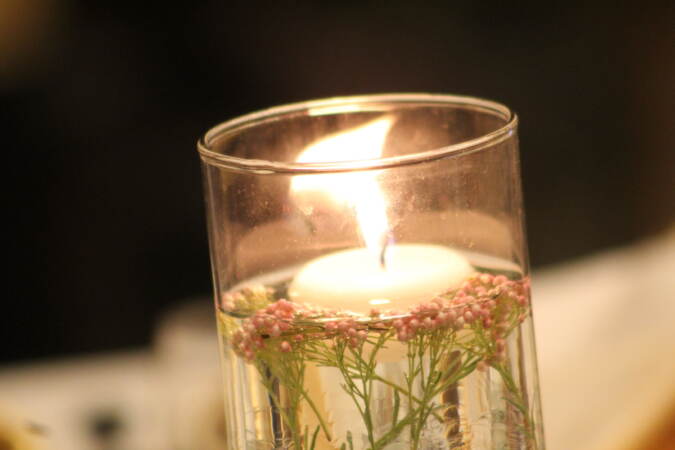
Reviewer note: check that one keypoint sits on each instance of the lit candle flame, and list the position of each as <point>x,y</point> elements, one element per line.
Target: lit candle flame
<point>358,189</point>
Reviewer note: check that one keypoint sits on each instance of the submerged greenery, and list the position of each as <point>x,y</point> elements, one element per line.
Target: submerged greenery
<point>443,339</point>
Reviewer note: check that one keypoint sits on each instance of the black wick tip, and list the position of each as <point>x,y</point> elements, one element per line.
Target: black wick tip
<point>387,239</point>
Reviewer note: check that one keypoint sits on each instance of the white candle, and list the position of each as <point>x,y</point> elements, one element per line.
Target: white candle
<point>353,280</point>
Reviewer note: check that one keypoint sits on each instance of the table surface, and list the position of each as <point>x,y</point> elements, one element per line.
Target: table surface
<point>605,337</point>
<point>605,344</point>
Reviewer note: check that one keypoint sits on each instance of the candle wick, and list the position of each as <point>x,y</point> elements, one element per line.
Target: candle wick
<point>387,239</point>
<point>383,262</point>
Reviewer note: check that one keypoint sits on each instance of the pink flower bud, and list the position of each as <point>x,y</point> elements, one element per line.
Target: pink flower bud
<point>284,304</point>
<point>247,291</point>
<point>285,347</point>
<point>485,278</point>
<point>500,279</point>
<point>228,305</point>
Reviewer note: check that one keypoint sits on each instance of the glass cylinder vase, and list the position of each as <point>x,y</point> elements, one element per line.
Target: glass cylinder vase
<point>371,277</point>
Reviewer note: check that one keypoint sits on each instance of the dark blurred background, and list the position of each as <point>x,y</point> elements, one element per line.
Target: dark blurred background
<point>101,104</point>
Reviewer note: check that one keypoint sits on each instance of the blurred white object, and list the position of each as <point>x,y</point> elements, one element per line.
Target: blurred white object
<point>606,339</point>
<point>192,396</point>
<point>67,397</point>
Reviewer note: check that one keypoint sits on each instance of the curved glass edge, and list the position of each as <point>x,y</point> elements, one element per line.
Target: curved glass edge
<point>352,104</point>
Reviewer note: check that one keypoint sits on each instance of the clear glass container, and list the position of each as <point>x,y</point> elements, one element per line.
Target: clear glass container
<point>371,276</point>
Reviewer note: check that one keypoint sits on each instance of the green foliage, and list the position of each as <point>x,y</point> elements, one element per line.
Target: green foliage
<point>437,359</point>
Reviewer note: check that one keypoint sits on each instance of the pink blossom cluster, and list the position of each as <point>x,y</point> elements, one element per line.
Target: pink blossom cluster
<point>247,298</point>
<point>274,321</point>
<point>485,299</point>
<point>347,330</point>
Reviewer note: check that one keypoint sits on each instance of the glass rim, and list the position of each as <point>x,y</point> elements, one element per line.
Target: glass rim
<point>352,104</point>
